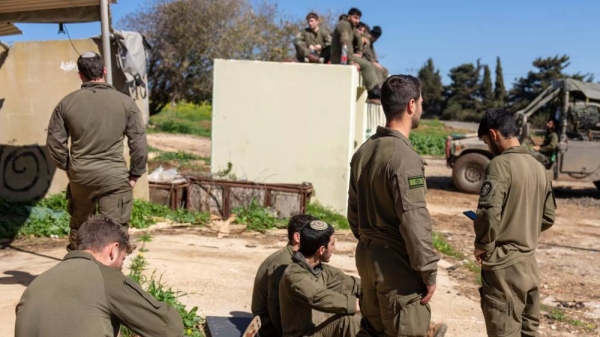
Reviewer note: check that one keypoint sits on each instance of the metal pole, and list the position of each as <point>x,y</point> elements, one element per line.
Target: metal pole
<point>106,39</point>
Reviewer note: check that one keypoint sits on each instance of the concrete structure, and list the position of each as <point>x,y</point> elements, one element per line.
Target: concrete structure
<point>34,77</point>
<point>289,123</point>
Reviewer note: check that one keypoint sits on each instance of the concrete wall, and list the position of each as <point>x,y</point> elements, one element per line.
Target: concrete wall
<point>288,123</point>
<point>34,77</point>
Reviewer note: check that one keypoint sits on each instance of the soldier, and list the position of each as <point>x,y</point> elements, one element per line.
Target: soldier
<point>265,296</point>
<point>313,43</point>
<point>96,118</point>
<point>87,294</point>
<point>545,152</point>
<point>515,204</point>
<point>343,35</point>
<point>317,299</point>
<point>371,56</point>
<point>388,214</point>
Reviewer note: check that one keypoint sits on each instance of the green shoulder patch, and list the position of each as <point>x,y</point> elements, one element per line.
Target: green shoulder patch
<point>416,182</point>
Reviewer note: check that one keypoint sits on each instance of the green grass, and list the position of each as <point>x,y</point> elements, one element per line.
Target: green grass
<point>257,218</point>
<point>429,139</point>
<point>184,118</point>
<point>180,157</point>
<point>326,214</point>
<point>442,246</point>
<point>559,315</point>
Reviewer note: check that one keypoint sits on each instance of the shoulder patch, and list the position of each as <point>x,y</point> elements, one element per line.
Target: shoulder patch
<point>416,182</point>
<point>486,188</point>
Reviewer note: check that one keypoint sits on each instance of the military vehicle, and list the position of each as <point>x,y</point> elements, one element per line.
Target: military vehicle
<point>576,106</point>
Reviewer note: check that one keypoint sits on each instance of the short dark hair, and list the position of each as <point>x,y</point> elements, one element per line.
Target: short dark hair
<point>498,119</point>
<point>354,11</point>
<point>361,24</point>
<point>312,15</point>
<point>312,239</point>
<point>396,92</point>
<point>297,222</point>
<point>553,120</point>
<point>91,66</point>
<point>99,231</point>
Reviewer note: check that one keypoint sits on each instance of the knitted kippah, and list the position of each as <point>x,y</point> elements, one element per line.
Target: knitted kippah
<point>318,225</point>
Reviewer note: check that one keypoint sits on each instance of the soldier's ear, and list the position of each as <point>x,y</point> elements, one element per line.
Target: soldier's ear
<point>296,237</point>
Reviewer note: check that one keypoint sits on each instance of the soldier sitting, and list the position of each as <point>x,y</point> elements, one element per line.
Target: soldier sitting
<point>313,43</point>
<point>87,294</point>
<point>315,298</point>
<point>545,152</point>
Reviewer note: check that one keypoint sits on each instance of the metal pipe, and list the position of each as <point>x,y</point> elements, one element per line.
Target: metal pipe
<point>106,40</point>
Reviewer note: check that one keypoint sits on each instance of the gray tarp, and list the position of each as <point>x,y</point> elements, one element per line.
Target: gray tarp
<point>590,90</point>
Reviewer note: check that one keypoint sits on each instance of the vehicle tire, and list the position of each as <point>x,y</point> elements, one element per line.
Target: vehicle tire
<point>597,183</point>
<point>469,172</point>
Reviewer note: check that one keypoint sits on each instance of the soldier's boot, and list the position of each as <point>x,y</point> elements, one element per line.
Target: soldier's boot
<point>437,330</point>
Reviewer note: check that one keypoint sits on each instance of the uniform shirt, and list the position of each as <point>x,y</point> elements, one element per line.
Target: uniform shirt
<point>516,203</point>
<point>82,297</point>
<point>369,52</point>
<point>307,37</point>
<point>550,143</point>
<point>265,295</point>
<point>97,117</point>
<point>386,200</point>
<point>343,34</point>
<point>309,296</point>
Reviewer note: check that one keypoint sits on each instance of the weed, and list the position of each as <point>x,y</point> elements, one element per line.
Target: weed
<point>152,149</point>
<point>442,246</point>
<point>144,214</point>
<point>185,118</point>
<point>145,237</point>
<point>256,217</point>
<point>326,214</point>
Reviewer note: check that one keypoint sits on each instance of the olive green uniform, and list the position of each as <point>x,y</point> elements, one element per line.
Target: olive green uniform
<point>306,38</point>
<point>516,203</point>
<point>344,34</point>
<point>370,55</point>
<point>82,297</point>
<point>318,302</point>
<point>265,295</point>
<point>96,118</point>
<point>547,149</point>
<point>395,256</point>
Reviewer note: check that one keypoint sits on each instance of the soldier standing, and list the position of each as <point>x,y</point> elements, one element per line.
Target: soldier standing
<point>313,43</point>
<point>516,203</point>
<point>96,118</point>
<point>388,214</point>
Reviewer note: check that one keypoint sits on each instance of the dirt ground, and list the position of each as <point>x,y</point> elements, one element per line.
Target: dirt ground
<point>199,146</point>
<point>216,275</point>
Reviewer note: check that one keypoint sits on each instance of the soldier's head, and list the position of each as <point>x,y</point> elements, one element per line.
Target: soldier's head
<point>551,124</point>
<point>295,225</point>
<point>361,27</point>
<point>105,239</point>
<point>317,240</point>
<point>375,33</point>
<point>91,67</point>
<point>354,15</point>
<point>498,129</point>
<point>401,100</point>
<point>312,19</point>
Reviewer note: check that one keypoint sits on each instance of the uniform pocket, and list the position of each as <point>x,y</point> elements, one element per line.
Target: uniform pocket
<point>414,317</point>
<point>125,207</point>
<point>496,311</point>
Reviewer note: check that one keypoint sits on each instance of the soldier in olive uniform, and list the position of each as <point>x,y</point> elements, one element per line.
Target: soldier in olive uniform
<point>313,43</point>
<point>344,35</point>
<point>545,152</point>
<point>96,118</point>
<point>388,214</point>
<point>87,294</point>
<point>317,299</point>
<point>516,203</point>
<point>370,55</point>
<point>265,295</point>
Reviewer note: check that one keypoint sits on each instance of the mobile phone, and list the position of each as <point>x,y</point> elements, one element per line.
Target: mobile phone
<point>471,215</point>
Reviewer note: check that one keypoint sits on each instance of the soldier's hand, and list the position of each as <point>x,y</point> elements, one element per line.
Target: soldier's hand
<point>477,253</point>
<point>356,65</point>
<point>537,148</point>
<point>357,305</point>
<point>318,47</point>
<point>133,181</point>
<point>378,65</point>
<point>427,298</point>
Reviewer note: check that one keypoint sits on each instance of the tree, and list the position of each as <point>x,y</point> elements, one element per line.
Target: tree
<point>525,89</point>
<point>463,101</point>
<point>187,35</point>
<point>499,90</point>
<point>431,89</point>
<point>486,91</point>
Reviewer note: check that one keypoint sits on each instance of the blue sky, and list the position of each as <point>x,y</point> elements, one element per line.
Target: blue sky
<point>450,32</point>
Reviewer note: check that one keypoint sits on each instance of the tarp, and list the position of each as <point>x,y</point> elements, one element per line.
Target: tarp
<point>50,11</point>
<point>590,90</point>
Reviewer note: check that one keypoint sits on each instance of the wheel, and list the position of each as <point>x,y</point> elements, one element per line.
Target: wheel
<point>597,183</point>
<point>469,172</point>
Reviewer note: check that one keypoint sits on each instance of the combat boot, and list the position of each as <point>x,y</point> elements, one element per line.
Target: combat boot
<point>437,330</point>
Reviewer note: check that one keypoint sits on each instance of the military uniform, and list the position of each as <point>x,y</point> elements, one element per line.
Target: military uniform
<point>370,55</point>
<point>306,38</point>
<point>547,149</point>
<point>318,302</point>
<point>96,118</point>
<point>516,203</point>
<point>395,256</point>
<point>265,295</point>
<point>82,297</point>
<point>344,34</point>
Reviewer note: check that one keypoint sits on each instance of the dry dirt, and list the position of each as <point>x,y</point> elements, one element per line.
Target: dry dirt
<point>217,274</point>
<point>196,145</point>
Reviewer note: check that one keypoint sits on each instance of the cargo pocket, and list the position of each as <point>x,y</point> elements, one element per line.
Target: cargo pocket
<point>414,317</point>
<point>125,207</point>
<point>496,310</point>
<point>146,296</point>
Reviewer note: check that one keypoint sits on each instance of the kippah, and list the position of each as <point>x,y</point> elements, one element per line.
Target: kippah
<point>318,225</point>
<point>88,55</point>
